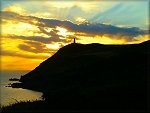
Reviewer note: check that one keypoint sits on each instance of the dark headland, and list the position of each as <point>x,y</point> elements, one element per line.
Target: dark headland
<point>92,77</point>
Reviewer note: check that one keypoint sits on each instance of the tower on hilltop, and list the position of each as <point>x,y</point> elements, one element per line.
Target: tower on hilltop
<point>74,40</point>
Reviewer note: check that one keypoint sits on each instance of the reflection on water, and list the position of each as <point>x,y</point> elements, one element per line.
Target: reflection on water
<point>12,95</point>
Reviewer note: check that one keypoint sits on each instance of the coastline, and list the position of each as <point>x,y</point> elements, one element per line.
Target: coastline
<point>11,95</point>
<point>23,86</point>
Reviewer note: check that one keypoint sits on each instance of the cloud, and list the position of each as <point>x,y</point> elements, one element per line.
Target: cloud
<point>93,28</point>
<point>35,47</point>
<point>16,17</point>
<point>29,49</point>
<point>85,28</point>
<point>13,53</point>
<point>52,33</point>
<point>36,38</point>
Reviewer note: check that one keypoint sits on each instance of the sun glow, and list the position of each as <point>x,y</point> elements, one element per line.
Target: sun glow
<point>19,28</point>
<point>47,29</point>
<point>15,8</point>
<point>23,29</point>
<point>81,20</point>
<point>102,40</point>
<point>54,46</point>
<point>62,31</point>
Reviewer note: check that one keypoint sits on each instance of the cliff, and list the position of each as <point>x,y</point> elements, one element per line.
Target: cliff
<point>94,75</point>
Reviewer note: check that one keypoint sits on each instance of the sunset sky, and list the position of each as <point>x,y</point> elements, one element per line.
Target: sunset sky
<point>33,30</point>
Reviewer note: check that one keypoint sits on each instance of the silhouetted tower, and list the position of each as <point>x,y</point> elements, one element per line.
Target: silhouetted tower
<point>74,40</point>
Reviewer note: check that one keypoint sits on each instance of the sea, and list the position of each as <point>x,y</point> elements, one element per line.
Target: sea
<point>9,95</point>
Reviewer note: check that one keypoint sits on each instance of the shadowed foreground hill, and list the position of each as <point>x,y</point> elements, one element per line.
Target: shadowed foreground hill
<point>93,77</point>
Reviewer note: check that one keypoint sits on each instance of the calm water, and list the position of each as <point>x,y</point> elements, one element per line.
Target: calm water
<point>10,95</point>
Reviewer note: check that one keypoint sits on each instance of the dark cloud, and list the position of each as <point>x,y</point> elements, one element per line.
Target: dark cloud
<point>36,38</point>
<point>33,43</point>
<point>93,28</point>
<point>16,17</point>
<point>87,28</point>
<point>30,48</point>
<point>13,53</point>
<point>35,47</point>
<point>52,33</point>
